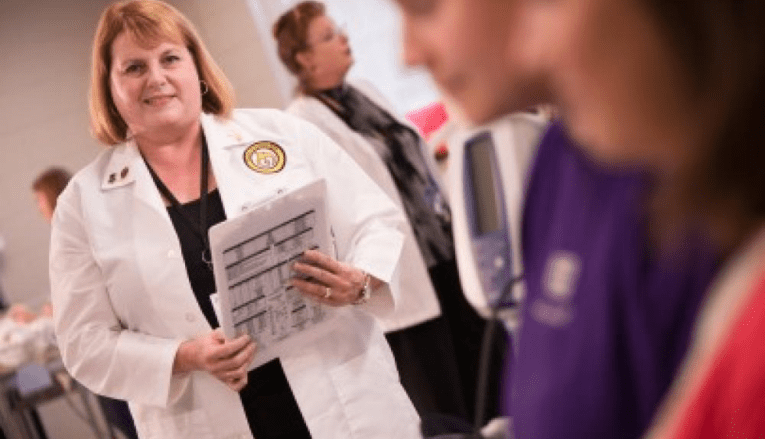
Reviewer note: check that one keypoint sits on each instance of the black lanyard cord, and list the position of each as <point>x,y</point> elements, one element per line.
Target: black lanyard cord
<point>200,229</point>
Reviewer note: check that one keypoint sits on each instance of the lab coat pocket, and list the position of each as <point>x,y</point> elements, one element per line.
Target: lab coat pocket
<point>374,403</point>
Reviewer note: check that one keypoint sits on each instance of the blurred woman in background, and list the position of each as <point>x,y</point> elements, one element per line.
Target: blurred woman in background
<point>435,335</point>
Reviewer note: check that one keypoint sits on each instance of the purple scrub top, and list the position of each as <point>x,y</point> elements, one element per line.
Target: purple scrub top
<point>606,321</point>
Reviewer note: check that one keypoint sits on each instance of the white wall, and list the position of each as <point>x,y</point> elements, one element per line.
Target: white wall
<point>374,33</point>
<point>45,53</point>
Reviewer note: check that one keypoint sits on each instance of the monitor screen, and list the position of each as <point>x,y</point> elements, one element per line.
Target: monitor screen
<point>479,152</point>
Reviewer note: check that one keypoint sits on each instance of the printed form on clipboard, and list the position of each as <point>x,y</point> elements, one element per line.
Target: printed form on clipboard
<point>252,256</point>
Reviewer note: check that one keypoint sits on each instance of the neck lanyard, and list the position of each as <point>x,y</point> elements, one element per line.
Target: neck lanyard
<point>199,229</point>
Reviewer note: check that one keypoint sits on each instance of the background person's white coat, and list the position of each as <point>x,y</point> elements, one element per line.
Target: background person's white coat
<point>418,301</point>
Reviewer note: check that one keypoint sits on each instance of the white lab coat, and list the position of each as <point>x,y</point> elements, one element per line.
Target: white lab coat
<point>418,299</point>
<point>123,302</point>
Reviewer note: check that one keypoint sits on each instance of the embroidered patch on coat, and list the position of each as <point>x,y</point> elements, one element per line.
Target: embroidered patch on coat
<point>265,157</point>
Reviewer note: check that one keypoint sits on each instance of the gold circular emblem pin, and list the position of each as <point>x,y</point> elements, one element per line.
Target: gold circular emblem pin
<point>265,157</point>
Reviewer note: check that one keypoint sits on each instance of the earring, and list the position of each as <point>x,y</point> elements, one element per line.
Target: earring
<point>205,89</point>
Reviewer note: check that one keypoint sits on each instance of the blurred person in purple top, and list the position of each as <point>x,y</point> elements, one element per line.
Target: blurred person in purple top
<point>606,319</point>
<point>676,86</point>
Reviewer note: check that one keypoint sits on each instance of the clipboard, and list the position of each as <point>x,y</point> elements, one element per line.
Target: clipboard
<point>252,255</point>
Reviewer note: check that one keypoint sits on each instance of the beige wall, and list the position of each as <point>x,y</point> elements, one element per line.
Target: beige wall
<point>45,47</point>
<point>229,31</point>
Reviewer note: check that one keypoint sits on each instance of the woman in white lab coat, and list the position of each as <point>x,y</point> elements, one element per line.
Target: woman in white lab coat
<point>130,274</point>
<point>431,347</point>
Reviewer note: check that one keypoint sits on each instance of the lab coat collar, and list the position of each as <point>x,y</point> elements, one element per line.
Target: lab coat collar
<point>126,159</point>
<point>227,133</point>
<point>223,133</point>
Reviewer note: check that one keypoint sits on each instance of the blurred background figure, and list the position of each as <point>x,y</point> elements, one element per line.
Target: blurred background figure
<point>46,188</point>
<point>434,334</point>
<point>21,313</point>
<point>21,333</point>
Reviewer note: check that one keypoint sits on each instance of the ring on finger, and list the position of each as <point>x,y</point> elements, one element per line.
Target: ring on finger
<point>327,293</point>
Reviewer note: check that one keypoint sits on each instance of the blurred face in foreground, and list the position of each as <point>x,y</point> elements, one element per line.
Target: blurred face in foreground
<point>463,43</point>
<point>618,84</point>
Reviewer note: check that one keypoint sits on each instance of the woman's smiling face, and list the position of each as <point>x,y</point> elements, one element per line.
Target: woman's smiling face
<point>155,89</point>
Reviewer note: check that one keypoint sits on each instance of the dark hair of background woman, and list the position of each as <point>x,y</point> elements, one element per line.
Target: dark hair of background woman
<point>51,182</point>
<point>291,34</point>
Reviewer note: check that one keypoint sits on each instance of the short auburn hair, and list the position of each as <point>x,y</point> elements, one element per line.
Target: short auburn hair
<point>51,183</point>
<point>149,22</point>
<point>291,34</point>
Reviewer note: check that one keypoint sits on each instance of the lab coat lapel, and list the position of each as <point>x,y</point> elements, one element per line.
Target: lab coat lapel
<point>155,239</point>
<point>125,167</point>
